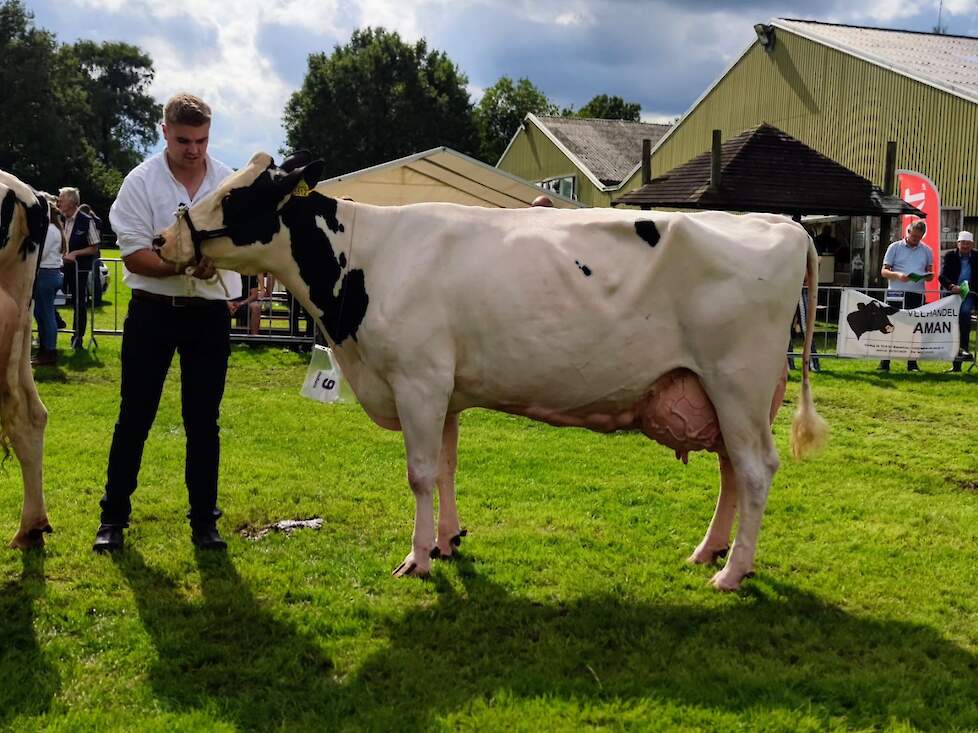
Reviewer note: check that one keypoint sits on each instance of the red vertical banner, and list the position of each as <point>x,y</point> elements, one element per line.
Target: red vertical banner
<point>919,191</point>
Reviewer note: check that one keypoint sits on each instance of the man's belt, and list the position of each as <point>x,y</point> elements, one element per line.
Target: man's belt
<point>177,301</point>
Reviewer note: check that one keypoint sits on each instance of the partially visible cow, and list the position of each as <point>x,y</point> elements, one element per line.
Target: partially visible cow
<point>871,317</point>
<point>23,226</point>
<point>672,324</point>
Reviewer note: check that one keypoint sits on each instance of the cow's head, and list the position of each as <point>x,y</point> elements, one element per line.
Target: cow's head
<point>871,317</point>
<point>244,212</point>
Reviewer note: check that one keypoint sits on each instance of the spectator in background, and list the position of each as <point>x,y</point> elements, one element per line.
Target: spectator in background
<point>83,239</point>
<point>825,243</point>
<point>247,310</point>
<point>903,258</point>
<point>543,201</point>
<point>961,266</point>
<point>49,279</point>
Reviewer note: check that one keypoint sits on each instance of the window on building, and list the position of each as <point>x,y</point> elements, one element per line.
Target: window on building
<point>952,222</point>
<point>565,186</point>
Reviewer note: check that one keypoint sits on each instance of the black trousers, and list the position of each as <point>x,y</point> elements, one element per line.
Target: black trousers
<point>910,300</point>
<point>79,289</point>
<point>152,332</point>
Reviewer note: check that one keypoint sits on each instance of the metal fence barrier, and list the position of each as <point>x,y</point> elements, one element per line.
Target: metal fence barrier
<point>276,320</point>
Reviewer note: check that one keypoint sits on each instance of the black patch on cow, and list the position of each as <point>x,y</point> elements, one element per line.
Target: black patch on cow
<point>584,268</point>
<point>251,212</point>
<point>870,317</point>
<point>648,231</point>
<point>321,269</point>
<point>298,159</point>
<point>37,227</point>
<point>6,216</point>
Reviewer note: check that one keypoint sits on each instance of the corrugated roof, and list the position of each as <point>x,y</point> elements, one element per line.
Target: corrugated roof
<point>765,170</point>
<point>945,61</point>
<point>609,149</point>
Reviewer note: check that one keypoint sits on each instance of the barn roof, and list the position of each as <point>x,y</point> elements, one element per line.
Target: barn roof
<point>765,170</point>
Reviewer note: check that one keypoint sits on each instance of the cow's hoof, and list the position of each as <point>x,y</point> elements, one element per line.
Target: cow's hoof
<point>411,568</point>
<point>729,579</point>
<point>705,556</point>
<point>448,550</point>
<point>31,539</point>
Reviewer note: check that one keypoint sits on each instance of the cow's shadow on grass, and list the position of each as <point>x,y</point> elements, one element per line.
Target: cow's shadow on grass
<point>28,681</point>
<point>223,651</point>
<point>773,647</point>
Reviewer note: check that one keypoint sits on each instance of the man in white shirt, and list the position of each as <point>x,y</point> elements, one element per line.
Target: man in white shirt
<point>170,312</point>
<point>908,265</point>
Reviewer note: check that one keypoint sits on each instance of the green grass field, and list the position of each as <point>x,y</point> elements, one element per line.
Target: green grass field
<point>571,609</point>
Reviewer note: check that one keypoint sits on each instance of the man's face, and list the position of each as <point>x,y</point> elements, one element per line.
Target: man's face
<point>964,247</point>
<point>186,145</point>
<point>914,237</point>
<point>65,205</point>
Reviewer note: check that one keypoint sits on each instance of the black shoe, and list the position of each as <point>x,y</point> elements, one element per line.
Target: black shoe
<point>109,538</point>
<point>883,367</point>
<point>207,538</point>
<point>912,367</point>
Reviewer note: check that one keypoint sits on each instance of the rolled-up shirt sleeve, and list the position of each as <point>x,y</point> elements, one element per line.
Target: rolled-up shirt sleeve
<point>132,217</point>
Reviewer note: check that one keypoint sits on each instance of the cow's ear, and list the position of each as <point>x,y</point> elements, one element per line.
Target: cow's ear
<point>301,179</point>
<point>298,159</point>
<point>890,310</point>
<point>860,306</point>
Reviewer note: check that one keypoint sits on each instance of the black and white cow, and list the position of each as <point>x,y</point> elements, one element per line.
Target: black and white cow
<point>598,318</point>
<point>871,317</point>
<point>23,227</point>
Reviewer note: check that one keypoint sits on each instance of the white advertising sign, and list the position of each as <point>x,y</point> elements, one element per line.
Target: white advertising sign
<point>871,329</point>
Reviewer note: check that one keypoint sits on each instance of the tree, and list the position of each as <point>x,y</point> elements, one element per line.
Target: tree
<point>59,101</point>
<point>122,118</point>
<point>378,98</point>
<point>603,107</point>
<point>501,111</point>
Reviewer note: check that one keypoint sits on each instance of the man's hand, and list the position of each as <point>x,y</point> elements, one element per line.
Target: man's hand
<point>955,289</point>
<point>903,277</point>
<point>205,269</point>
<point>68,257</point>
<point>232,307</point>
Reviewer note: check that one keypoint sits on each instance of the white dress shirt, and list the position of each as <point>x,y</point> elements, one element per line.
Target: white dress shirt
<point>145,206</point>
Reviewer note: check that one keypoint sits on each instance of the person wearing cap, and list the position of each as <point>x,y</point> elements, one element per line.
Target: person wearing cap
<point>543,201</point>
<point>960,266</point>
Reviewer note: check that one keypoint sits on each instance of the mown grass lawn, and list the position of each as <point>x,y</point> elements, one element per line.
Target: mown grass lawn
<point>571,609</point>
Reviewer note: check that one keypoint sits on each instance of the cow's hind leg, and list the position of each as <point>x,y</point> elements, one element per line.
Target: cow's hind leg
<point>24,419</point>
<point>716,543</point>
<point>450,532</point>
<point>422,412</point>
<point>755,461</point>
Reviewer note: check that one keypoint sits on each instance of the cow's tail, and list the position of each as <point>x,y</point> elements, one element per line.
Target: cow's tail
<point>808,430</point>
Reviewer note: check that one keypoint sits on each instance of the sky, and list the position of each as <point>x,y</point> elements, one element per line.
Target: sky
<point>246,57</point>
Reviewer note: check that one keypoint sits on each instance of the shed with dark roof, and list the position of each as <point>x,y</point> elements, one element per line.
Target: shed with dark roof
<point>766,170</point>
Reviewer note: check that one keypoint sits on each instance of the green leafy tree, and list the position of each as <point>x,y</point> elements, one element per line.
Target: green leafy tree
<point>73,115</point>
<point>603,107</point>
<point>122,120</point>
<point>378,98</point>
<point>501,111</point>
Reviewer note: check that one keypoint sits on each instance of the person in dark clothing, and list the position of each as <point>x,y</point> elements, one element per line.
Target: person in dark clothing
<point>960,266</point>
<point>83,237</point>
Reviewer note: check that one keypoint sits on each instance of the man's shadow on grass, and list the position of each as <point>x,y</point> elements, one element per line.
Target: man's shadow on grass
<point>223,649</point>
<point>771,647</point>
<point>28,681</point>
<point>774,647</point>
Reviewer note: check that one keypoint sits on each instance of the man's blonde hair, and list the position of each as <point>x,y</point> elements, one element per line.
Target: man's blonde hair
<point>186,109</point>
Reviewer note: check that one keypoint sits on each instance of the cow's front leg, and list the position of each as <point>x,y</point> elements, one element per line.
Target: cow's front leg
<point>422,416</point>
<point>449,531</point>
<point>716,543</point>
<point>24,419</point>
